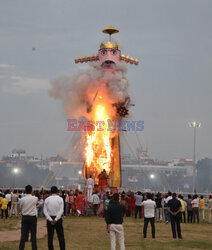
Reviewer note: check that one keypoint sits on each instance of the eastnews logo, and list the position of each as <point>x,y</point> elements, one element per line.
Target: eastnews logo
<point>110,125</point>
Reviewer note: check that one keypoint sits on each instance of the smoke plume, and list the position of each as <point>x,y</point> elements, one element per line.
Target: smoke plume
<point>74,91</point>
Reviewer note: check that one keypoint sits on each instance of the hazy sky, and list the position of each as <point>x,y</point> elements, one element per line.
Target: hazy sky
<point>171,86</point>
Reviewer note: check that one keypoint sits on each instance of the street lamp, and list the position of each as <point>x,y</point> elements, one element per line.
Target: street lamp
<point>15,172</point>
<point>144,175</point>
<point>194,125</point>
<point>152,176</point>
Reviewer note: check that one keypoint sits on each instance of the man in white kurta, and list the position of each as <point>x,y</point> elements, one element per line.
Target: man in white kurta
<point>90,186</point>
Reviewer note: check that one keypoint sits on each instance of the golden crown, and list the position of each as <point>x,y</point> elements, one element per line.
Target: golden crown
<point>109,45</point>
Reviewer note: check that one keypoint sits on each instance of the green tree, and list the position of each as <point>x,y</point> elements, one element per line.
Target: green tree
<point>204,175</point>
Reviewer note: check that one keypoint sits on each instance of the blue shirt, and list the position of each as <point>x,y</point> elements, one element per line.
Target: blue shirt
<point>138,199</point>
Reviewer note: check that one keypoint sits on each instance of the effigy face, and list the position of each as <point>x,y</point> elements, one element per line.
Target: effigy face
<point>107,57</point>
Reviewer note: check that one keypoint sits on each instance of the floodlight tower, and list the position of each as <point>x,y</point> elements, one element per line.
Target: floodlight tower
<point>194,125</point>
<point>15,172</point>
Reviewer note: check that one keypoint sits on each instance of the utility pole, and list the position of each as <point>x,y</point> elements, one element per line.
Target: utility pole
<point>194,125</point>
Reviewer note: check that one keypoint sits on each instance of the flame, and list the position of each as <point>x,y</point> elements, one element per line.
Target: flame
<point>98,150</point>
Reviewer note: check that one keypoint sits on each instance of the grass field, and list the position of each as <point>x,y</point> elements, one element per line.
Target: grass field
<point>9,224</point>
<point>90,233</point>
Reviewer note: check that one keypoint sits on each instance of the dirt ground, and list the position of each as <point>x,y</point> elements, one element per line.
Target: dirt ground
<point>14,235</point>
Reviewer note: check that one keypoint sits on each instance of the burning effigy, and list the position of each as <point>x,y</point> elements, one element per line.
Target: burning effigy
<point>99,93</point>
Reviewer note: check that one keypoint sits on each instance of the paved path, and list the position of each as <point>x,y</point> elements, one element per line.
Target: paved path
<point>13,235</point>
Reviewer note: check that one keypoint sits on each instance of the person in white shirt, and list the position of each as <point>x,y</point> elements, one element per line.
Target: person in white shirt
<point>29,218</point>
<point>8,196</point>
<point>195,203</point>
<point>95,201</point>
<point>166,212</point>
<point>90,186</point>
<point>40,205</point>
<point>149,214</point>
<point>138,203</point>
<point>53,210</point>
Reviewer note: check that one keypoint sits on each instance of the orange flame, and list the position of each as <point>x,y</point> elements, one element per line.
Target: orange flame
<point>98,151</point>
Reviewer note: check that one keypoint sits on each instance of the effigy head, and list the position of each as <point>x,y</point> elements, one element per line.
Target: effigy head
<point>109,54</point>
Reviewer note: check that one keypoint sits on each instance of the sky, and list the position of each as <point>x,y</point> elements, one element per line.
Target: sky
<point>170,87</point>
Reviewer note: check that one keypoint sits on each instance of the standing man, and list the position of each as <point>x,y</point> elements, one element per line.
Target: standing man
<point>202,207</point>
<point>166,200</point>
<point>184,206</point>
<point>138,202</point>
<point>174,208</point>
<point>180,199</point>
<point>53,210</point>
<point>29,218</point>
<point>14,200</point>
<point>8,196</point>
<point>4,207</point>
<point>159,209</point>
<point>149,214</point>
<point>189,209</point>
<point>114,220</point>
<point>90,186</point>
<point>209,208</point>
<point>96,202</point>
<point>195,203</point>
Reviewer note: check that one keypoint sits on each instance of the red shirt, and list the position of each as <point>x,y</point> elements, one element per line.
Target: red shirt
<point>132,200</point>
<point>79,202</point>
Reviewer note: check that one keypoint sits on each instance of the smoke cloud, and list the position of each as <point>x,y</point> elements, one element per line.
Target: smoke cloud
<point>75,91</point>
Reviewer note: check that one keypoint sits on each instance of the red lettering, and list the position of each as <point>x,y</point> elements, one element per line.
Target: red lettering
<point>72,124</point>
<point>100,123</point>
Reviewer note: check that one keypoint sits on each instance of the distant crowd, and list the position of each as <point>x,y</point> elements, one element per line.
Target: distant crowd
<point>76,203</point>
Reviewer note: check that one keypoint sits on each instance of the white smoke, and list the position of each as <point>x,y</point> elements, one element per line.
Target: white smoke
<point>73,90</point>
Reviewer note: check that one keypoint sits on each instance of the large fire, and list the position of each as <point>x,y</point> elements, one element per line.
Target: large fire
<point>99,151</point>
<point>99,93</point>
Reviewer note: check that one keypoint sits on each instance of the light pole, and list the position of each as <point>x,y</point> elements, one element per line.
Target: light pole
<point>15,172</point>
<point>194,125</point>
<point>79,172</point>
<point>144,179</point>
<point>152,177</point>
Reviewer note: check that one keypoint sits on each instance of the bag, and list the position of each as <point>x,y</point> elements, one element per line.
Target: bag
<point>95,199</point>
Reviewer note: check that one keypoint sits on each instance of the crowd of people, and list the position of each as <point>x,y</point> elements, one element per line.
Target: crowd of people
<point>113,206</point>
<point>78,203</point>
